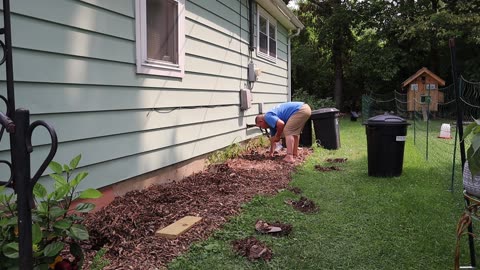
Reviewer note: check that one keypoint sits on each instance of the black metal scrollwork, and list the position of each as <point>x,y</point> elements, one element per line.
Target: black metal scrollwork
<point>17,123</point>
<point>53,148</point>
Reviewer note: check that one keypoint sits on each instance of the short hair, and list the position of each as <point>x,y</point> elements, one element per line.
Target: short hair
<point>257,118</point>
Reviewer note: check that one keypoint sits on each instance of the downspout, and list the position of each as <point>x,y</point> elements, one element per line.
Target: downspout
<point>251,18</point>
<point>289,69</point>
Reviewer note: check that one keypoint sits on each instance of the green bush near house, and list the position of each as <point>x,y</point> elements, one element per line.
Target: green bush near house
<point>55,225</point>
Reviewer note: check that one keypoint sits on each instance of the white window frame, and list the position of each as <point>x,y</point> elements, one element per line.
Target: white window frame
<point>158,68</point>
<point>270,19</point>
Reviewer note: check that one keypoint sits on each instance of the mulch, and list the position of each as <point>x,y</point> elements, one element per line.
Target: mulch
<point>127,226</point>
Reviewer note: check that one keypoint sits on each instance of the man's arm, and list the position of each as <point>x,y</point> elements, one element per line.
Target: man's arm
<point>279,127</point>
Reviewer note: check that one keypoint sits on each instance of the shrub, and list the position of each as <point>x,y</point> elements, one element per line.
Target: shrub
<point>314,102</point>
<point>54,224</point>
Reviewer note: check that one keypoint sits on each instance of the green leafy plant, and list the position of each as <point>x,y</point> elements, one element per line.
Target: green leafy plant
<point>236,149</point>
<point>99,261</point>
<point>314,102</point>
<point>473,151</point>
<point>56,224</point>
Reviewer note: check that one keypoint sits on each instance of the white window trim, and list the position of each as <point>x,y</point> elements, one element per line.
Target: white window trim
<point>158,68</point>
<point>270,19</point>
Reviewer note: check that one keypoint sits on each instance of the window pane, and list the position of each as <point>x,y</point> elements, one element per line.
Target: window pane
<point>263,25</point>
<point>263,43</point>
<point>273,48</point>
<point>272,31</point>
<point>162,31</point>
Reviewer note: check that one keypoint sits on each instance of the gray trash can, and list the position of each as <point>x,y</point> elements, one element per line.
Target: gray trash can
<point>327,130</point>
<point>386,136</point>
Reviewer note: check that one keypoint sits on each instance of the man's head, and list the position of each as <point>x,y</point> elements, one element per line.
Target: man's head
<point>260,121</point>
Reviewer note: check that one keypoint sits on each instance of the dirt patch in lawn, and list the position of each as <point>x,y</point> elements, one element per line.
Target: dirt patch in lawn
<point>336,160</point>
<point>303,205</point>
<point>273,228</point>
<point>327,168</point>
<point>252,248</point>
<point>295,190</point>
<point>127,226</point>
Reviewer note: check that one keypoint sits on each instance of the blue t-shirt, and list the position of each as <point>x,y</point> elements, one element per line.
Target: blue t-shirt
<point>283,112</point>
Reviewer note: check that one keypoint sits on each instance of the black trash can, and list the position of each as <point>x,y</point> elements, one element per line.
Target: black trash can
<point>327,131</point>
<point>306,136</point>
<point>386,136</point>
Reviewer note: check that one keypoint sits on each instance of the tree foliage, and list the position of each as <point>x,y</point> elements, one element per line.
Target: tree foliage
<point>351,47</point>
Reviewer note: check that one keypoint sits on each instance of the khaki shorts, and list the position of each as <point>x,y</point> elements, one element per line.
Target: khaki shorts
<point>296,122</point>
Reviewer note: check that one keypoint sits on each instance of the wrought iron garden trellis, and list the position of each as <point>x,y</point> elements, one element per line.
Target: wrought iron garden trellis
<point>17,123</point>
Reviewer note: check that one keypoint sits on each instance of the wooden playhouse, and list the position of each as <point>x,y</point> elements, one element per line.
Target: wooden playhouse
<point>422,91</point>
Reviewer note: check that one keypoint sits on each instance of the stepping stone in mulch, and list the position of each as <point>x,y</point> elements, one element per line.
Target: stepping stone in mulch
<point>336,160</point>
<point>276,228</point>
<point>252,248</point>
<point>327,169</point>
<point>295,190</point>
<point>303,205</point>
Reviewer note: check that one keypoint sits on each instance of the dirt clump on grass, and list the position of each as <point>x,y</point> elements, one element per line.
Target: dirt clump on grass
<point>295,190</point>
<point>303,205</point>
<point>127,226</point>
<point>252,249</point>
<point>327,169</point>
<point>336,160</point>
<point>273,228</point>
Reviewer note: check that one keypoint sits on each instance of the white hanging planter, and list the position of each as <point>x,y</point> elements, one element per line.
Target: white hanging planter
<point>471,183</point>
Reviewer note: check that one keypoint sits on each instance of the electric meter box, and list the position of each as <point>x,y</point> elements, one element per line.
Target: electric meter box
<point>245,99</point>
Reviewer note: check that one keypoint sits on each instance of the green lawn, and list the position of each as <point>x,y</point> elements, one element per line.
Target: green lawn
<point>364,222</point>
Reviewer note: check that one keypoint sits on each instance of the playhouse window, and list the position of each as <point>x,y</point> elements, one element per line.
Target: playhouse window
<point>425,99</point>
<point>266,36</point>
<point>414,87</point>
<point>160,37</point>
<point>431,86</point>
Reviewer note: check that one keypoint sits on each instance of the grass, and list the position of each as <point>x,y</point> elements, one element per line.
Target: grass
<point>406,222</point>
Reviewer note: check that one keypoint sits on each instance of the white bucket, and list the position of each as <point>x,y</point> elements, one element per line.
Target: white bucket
<point>445,131</point>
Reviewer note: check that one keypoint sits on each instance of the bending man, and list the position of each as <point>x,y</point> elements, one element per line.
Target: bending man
<point>287,119</point>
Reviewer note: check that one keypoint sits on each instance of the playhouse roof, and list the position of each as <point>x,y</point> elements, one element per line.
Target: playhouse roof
<point>421,72</point>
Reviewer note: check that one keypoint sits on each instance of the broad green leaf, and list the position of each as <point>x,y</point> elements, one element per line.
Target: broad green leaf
<point>476,143</point>
<point>66,168</point>
<point>10,250</point>
<point>84,207</point>
<point>61,192</point>
<point>42,208</point>
<point>12,221</point>
<point>79,232</point>
<point>468,130</point>
<point>78,178</point>
<point>39,191</point>
<point>36,233</point>
<point>74,162</point>
<point>56,212</point>
<point>77,251</point>
<point>56,167</point>
<point>60,181</point>
<point>53,249</point>
<point>90,194</point>
<point>63,224</point>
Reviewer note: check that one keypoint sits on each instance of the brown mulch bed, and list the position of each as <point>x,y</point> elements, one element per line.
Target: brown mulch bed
<point>252,248</point>
<point>127,226</point>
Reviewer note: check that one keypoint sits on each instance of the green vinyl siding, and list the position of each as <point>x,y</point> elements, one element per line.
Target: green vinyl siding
<point>74,67</point>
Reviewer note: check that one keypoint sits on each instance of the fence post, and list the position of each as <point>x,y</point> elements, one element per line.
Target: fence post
<point>23,188</point>
<point>451,44</point>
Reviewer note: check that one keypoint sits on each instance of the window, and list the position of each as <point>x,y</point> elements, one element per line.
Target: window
<point>431,86</point>
<point>266,35</point>
<point>160,37</point>
<point>414,87</point>
<point>425,99</point>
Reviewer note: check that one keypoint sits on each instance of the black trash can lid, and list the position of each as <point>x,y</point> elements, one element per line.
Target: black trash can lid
<point>324,113</point>
<point>386,120</point>
<point>325,110</point>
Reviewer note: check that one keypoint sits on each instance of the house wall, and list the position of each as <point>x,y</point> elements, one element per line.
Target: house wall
<point>74,67</point>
